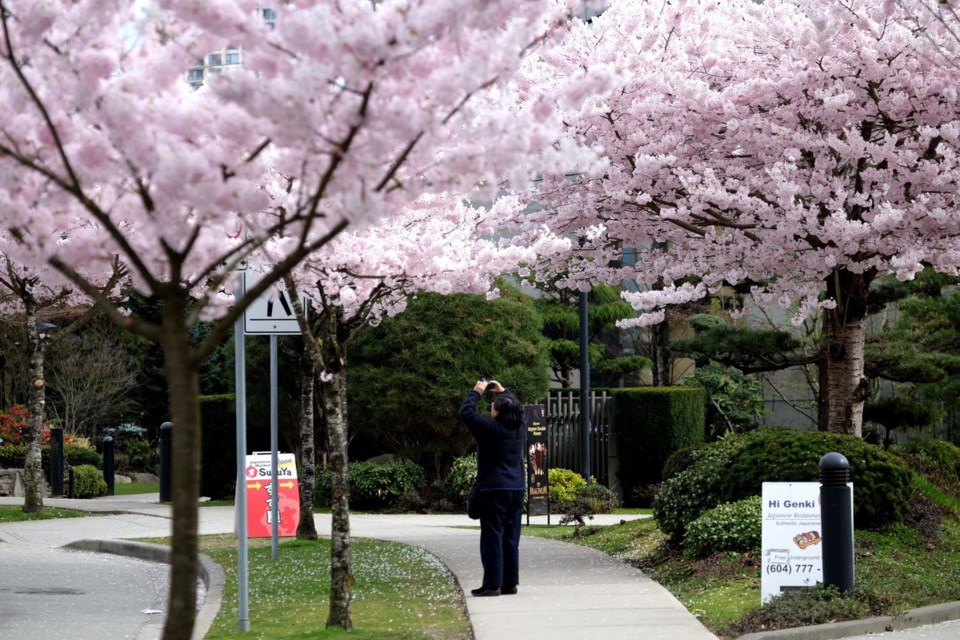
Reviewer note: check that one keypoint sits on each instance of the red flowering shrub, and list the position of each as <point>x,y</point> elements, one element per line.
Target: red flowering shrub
<point>13,424</point>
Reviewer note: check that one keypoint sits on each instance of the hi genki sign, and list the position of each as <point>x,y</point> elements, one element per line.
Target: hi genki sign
<point>790,538</point>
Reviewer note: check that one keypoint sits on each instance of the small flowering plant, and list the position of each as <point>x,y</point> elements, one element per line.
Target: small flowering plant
<point>13,426</point>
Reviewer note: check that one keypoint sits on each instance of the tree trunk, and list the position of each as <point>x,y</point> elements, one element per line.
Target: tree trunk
<point>33,471</point>
<point>341,573</point>
<point>307,529</point>
<point>843,387</point>
<point>660,341</point>
<point>183,380</point>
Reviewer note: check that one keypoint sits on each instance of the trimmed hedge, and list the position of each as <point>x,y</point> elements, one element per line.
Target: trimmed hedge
<point>737,467</point>
<point>374,486</point>
<point>649,424</point>
<point>218,448</point>
<point>13,456</point>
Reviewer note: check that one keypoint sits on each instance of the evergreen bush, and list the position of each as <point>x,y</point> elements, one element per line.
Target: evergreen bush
<point>455,486</point>
<point>564,485</point>
<point>88,482</point>
<point>649,424</point>
<point>597,498</point>
<point>733,526</point>
<point>736,468</point>
<point>76,455</point>
<point>938,454</point>
<point>882,484</point>
<point>374,486</point>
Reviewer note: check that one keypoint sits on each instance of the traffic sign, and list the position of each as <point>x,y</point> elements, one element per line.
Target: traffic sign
<point>272,312</point>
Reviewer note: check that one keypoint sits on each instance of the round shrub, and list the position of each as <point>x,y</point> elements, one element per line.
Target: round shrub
<point>678,461</point>
<point>141,456</point>
<point>564,485</point>
<point>937,454</point>
<point>597,498</point>
<point>88,482</point>
<point>456,484</point>
<point>882,484</point>
<point>374,486</point>
<point>691,492</point>
<point>734,526</point>
<point>77,455</point>
<point>736,468</point>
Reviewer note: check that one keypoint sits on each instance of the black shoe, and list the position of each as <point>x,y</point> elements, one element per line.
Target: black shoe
<point>485,591</point>
<point>508,591</point>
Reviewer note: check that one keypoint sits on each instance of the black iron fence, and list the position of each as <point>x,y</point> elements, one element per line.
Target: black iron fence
<point>563,433</point>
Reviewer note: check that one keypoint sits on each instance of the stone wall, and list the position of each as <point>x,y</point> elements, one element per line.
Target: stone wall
<point>11,482</point>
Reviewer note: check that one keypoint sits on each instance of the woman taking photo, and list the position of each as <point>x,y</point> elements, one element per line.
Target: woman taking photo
<point>501,443</point>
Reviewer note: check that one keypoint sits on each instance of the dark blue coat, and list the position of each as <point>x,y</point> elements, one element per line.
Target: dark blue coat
<point>500,449</point>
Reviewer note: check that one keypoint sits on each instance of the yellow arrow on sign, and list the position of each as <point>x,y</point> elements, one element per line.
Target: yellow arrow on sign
<point>287,485</point>
<point>255,485</point>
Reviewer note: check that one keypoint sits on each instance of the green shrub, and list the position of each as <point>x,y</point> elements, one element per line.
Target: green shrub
<point>734,526</point>
<point>691,492</point>
<point>805,607</point>
<point>649,424</point>
<point>737,467</point>
<point>12,456</point>
<point>456,484</point>
<point>938,454</point>
<point>88,482</point>
<point>141,455</point>
<point>76,456</point>
<point>678,461</point>
<point>564,485</point>
<point>597,498</point>
<point>374,486</point>
<point>882,484</point>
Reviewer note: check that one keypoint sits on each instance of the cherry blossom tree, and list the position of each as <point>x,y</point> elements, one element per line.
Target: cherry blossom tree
<point>29,293</point>
<point>802,148</point>
<point>340,115</point>
<point>436,244</point>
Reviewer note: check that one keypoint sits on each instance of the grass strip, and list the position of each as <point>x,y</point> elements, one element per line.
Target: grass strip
<point>399,592</point>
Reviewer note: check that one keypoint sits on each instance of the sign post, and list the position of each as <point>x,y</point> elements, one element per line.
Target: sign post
<point>790,537</point>
<point>538,486</point>
<point>262,501</point>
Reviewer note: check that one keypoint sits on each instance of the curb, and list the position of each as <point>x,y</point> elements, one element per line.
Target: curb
<point>210,573</point>
<point>909,619</point>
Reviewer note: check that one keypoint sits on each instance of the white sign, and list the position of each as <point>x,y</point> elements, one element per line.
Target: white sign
<point>790,538</point>
<point>271,313</point>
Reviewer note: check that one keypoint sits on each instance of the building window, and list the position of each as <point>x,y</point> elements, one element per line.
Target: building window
<point>233,57</point>
<point>195,75</point>
<point>215,58</point>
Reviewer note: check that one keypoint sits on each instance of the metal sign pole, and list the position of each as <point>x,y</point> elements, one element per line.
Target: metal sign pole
<point>274,444</point>
<point>240,370</point>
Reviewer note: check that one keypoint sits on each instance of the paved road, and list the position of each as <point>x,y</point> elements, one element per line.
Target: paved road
<point>57,594</point>
<point>942,631</point>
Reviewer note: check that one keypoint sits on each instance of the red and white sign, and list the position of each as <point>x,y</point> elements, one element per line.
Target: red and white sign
<point>259,487</point>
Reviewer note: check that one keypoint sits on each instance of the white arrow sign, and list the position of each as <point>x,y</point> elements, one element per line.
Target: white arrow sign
<point>272,312</point>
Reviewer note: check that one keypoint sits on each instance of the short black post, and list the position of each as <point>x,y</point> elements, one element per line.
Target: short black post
<point>71,484</point>
<point>836,519</point>
<point>109,473</point>
<point>166,433</point>
<point>56,461</point>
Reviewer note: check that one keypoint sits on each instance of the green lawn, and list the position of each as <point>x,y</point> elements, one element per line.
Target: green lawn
<point>399,592</point>
<point>11,513</point>
<point>134,488</point>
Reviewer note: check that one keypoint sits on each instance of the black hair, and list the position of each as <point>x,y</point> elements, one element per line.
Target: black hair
<point>508,409</point>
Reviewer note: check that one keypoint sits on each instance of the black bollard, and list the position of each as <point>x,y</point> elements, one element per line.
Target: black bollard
<point>56,461</point>
<point>836,519</point>
<point>166,434</point>
<point>109,473</point>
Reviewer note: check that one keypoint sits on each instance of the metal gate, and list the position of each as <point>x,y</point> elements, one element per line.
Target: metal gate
<point>563,432</point>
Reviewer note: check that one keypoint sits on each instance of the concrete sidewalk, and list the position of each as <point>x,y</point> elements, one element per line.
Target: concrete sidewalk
<point>566,591</point>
